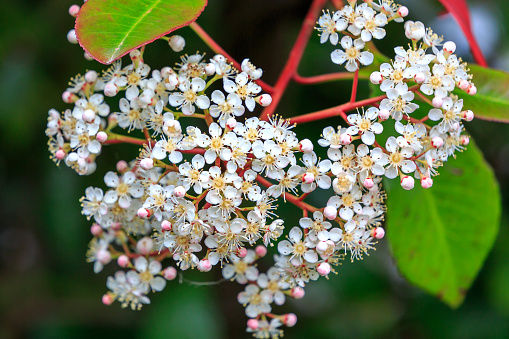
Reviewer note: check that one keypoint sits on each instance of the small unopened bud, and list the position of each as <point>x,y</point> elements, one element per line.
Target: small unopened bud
<point>308,178</point>
<point>71,36</point>
<point>376,78</point>
<point>345,139</point>
<point>170,273</point>
<point>172,128</point>
<point>264,100</point>
<point>368,183</point>
<point>437,142</point>
<point>419,78</point>
<point>384,114</point>
<point>166,72</point>
<point>289,319</point>
<point>210,69</point>
<point>378,233</point>
<point>87,56</point>
<point>91,76</point>
<point>122,166</point>
<point>323,269</point>
<point>69,97</point>
<point>242,252</point>
<point>142,213</point>
<point>166,225</point>
<point>306,146</point>
<point>407,182</point>
<point>468,115</point>
<point>219,58</point>
<point>96,230</point>
<point>450,47</point>
<point>204,265</point>
<point>74,10</point>
<point>402,11</point>
<point>463,84</point>
<point>60,154</point>
<point>437,102</point>
<point>103,256</point>
<point>101,136</point>
<point>252,324</point>
<point>145,245</point>
<point>180,191</point>
<point>88,115</point>
<point>116,226</point>
<point>426,182</point>
<point>231,123</point>
<point>465,140</point>
<point>147,164</point>
<point>472,90</point>
<point>297,292</point>
<point>123,261</point>
<point>107,299</point>
<point>177,43</point>
<point>135,54</point>
<point>330,212</point>
<point>261,251</point>
<point>110,89</point>
<point>322,246</point>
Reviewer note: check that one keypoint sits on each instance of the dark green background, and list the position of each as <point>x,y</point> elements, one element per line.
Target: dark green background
<point>47,290</point>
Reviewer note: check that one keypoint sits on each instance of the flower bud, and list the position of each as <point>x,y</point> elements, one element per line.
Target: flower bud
<point>308,178</point>
<point>88,56</point>
<point>426,182</point>
<point>177,43</point>
<point>465,140</point>
<point>264,100</point>
<point>463,84</point>
<point>170,273</point>
<point>231,123</point>
<point>71,36</point>
<point>345,139</point>
<point>171,82</point>
<point>323,269</point>
<point>450,47</point>
<point>437,142</point>
<point>472,90</point>
<point>402,11</point>
<point>468,115</point>
<point>74,10</point>
<point>166,72</point>
<point>306,146</point>
<point>69,97</point>
<point>101,136</point>
<point>437,102</point>
<point>376,78</point>
<point>415,30</point>
<point>252,324</point>
<point>96,230</point>
<point>330,212</point>
<point>290,319</point>
<point>204,265</point>
<point>219,58</point>
<point>384,114</point>
<point>378,233</point>
<point>88,115</point>
<point>103,256</point>
<point>135,54</point>
<point>116,226</point>
<point>147,164</point>
<point>322,246</point>
<point>368,183</point>
<point>172,128</point>
<point>122,166</point>
<point>242,252</point>
<point>91,76</point>
<point>179,191</point>
<point>166,225</point>
<point>261,251</point>
<point>145,245</point>
<point>123,261</point>
<point>297,293</point>
<point>142,213</point>
<point>110,89</point>
<point>210,69</point>
<point>419,78</point>
<point>407,182</point>
<point>107,299</point>
<point>60,154</point>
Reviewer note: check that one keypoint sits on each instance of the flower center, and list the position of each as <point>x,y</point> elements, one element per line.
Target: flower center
<point>146,276</point>
<point>397,75</point>
<point>216,143</point>
<point>133,78</point>
<point>299,248</point>
<point>396,158</point>
<point>367,162</point>
<point>352,52</point>
<point>190,96</point>
<point>122,188</point>
<point>364,125</point>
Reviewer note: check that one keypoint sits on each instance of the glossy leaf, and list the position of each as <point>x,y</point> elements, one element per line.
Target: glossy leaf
<point>109,29</point>
<point>459,10</point>
<point>441,236</point>
<point>492,99</point>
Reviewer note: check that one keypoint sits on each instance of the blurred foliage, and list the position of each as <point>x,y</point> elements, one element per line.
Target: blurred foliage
<point>49,291</point>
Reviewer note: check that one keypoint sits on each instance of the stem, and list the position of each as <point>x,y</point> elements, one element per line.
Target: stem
<point>337,3</point>
<point>118,139</point>
<point>218,49</point>
<point>294,58</point>
<point>355,83</point>
<point>320,79</point>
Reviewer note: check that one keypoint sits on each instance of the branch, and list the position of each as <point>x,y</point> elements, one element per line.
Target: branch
<point>320,79</point>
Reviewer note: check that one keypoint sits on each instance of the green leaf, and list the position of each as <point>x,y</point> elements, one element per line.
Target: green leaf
<point>109,29</point>
<point>441,236</point>
<point>492,99</point>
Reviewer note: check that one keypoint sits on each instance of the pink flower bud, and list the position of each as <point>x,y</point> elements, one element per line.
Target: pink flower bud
<point>91,76</point>
<point>145,245</point>
<point>142,213</point>
<point>368,183</point>
<point>306,146</point>
<point>88,56</point>
<point>463,85</point>
<point>69,97</point>
<point>252,324</point>
<point>437,102</point>
<point>242,252</point>
<point>376,78</point>
<point>166,72</point>
<point>407,182</point>
<point>166,225</point>
<point>210,69</point>
<point>468,115</point>
<point>60,154</point>
<point>74,10</point>
<point>179,191</point>
<point>123,261</point>
<point>426,182</point>
<point>135,54</point>
<point>265,100</point>
<point>330,212</point>
<point>419,78</point>
<point>107,299</point>
<point>204,265</point>
<point>308,178</point>
<point>88,115</point>
<point>110,89</point>
<point>450,47</point>
<point>297,292</point>
<point>116,226</point>
<point>322,246</point>
<point>71,37</point>
<point>261,251</point>
<point>177,43</point>
<point>147,164</point>
<point>472,90</point>
<point>403,11</point>
<point>96,230</point>
<point>101,136</point>
<point>290,319</point>
<point>437,142</point>
<point>103,256</point>
<point>384,114</point>
<point>378,233</point>
<point>345,139</point>
<point>231,123</point>
<point>323,269</point>
<point>170,273</point>
<point>465,140</point>
<point>122,166</point>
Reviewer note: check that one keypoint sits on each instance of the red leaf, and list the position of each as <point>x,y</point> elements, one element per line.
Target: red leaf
<point>459,10</point>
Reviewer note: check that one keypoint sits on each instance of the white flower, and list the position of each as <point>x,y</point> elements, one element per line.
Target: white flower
<point>398,159</point>
<point>251,70</point>
<point>318,227</point>
<point>189,96</point>
<point>288,182</point>
<point>297,248</point>
<point>415,30</point>
<point>93,204</point>
<point>82,142</point>
<point>256,302</point>
<point>272,282</point>
<point>331,138</point>
<point>243,88</point>
<point>352,53</point>
<point>365,125</point>
<point>224,204</point>
<point>130,115</point>
<point>371,161</point>
<point>438,83</point>
<point>241,269</point>
<point>132,79</point>
<point>344,160</point>
<point>127,290</point>
<point>218,144</point>
<point>168,146</point>
<point>225,108</point>
<point>396,74</point>
<point>399,101</point>
<point>449,115</point>
<point>414,57</point>
<point>411,135</point>
<point>193,176</point>
<point>124,188</point>
<point>319,171</point>
<point>268,156</point>
<point>147,274</point>
<point>329,27</point>
<point>95,103</point>
<point>348,203</point>
<point>370,23</point>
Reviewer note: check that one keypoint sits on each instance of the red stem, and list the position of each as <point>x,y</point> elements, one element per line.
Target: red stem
<point>295,56</point>
<point>355,83</point>
<point>319,79</point>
